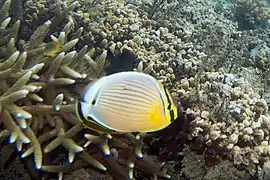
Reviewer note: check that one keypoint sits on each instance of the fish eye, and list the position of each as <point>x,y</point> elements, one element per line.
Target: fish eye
<point>93,102</point>
<point>88,118</point>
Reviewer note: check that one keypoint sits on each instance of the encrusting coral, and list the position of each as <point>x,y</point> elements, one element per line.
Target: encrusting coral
<point>40,82</point>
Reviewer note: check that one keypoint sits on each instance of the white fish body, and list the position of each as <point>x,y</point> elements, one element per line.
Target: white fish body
<point>127,102</point>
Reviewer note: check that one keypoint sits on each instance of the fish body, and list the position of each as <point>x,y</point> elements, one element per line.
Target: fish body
<point>52,48</point>
<point>254,52</point>
<point>126,102</point>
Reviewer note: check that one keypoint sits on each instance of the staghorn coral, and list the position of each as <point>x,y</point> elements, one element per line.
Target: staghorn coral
<point>40,83</point>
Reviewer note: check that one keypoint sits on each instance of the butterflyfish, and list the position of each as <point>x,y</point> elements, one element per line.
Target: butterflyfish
<point>126,102</point>
<point>52,48</point>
